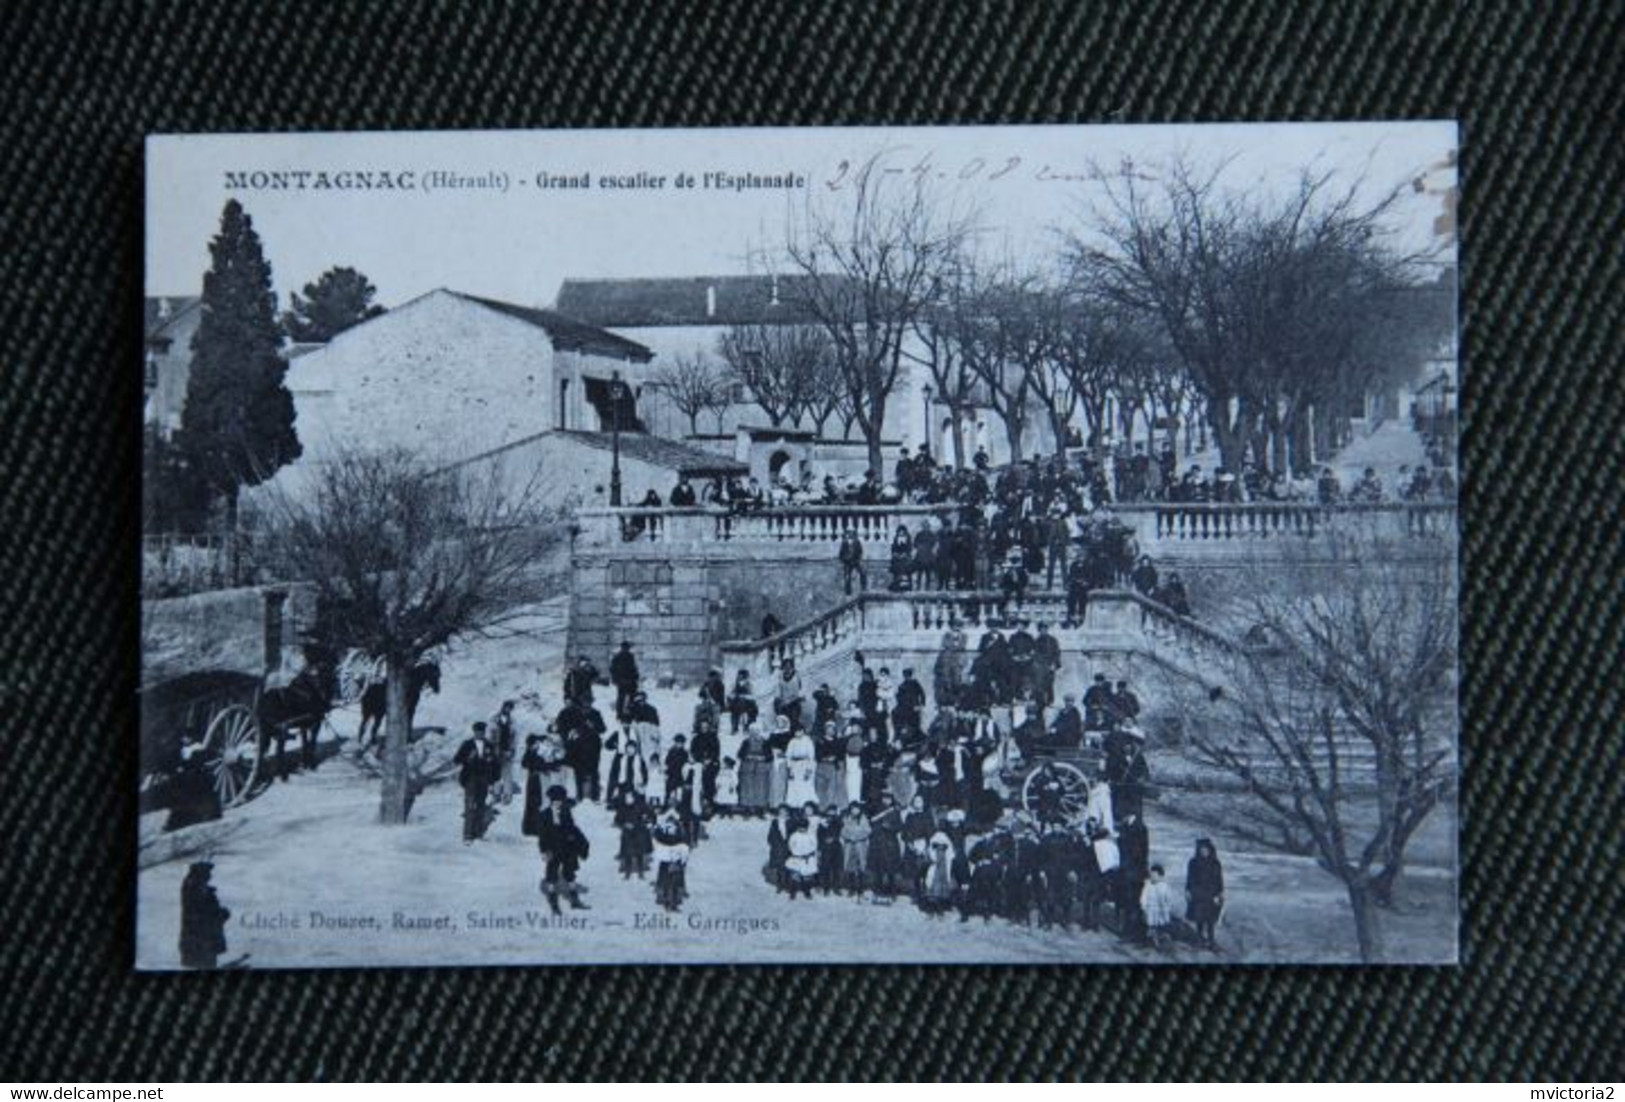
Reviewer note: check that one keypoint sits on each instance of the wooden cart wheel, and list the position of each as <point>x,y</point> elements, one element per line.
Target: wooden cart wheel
<point>233,742</point>
<point>1056,791</point>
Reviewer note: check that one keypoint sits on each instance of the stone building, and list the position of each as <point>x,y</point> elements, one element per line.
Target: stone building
<point>170,322</point>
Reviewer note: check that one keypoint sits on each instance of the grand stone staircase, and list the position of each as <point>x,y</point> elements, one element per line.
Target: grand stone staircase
<point>1173,662</point>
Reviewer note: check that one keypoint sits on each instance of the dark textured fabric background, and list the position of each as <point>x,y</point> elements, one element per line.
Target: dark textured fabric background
<point>1538,87</point>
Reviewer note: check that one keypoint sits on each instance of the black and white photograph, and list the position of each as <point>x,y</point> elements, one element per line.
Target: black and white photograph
<point>929,545</point>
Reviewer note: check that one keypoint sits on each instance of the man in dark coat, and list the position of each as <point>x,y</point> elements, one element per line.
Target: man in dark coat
<point>585,751</point>
<point>476,762</point>
<point>1134,856</point>
<point>826,709</point>
<point>203,919</point>
<point>875,760</point>
<point>1022,651</point>
<point>677,759</point>
<point>1125,705</point>
<point>1079,583</point>
<point>910,704</point>
<point>1066,731</point>
<point>563,848</point>
<point>623,671</point>
<point>1144,576</point>
<point>1097,704</point>
<point>925,558</point>
<point>639,710</point>
<point>851,559</point>
<point>1046,664</point>
<point>706,749</point>
<point>579,680</point>
<point>1129,775</point>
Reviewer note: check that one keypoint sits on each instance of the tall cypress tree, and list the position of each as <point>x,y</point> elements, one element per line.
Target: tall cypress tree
<point>237,425</point>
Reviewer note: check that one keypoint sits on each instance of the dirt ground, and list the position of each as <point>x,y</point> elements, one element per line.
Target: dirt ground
<point>312,880</point>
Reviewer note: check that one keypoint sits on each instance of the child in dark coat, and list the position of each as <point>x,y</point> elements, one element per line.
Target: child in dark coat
<point>633,817</point>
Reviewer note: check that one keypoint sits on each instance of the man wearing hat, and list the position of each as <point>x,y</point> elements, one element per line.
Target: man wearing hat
<point>1129,773</point>
<point>1066,731</point>
<point>623,672</point>
<point>579,680</point>
<point>476,763</point>
<point>851,559</point>
<point>1097,704</point>
<point>1046,663</point>
<point>563,848</point>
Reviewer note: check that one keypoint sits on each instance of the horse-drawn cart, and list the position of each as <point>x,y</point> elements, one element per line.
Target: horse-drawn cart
<point>201,724</point>
<point>212,666</point>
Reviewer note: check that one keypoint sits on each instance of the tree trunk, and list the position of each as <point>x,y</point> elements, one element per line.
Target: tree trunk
<point>1323,433</point>
<point>1231,436</point>
<point>1013,431</point>
<point>1301,459</point>
<point>397,730</point>
<point>958,428</point>
<point>1367,932</point>
<point>1058,426</point>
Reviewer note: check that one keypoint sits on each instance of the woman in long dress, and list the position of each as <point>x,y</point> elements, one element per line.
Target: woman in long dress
<point>854,766</point>
<point>755,771</point>
<point>829,778</point>
<point>800,759</point>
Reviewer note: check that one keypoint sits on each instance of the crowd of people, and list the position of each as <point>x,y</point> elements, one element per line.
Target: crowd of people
<point>962,810</point>
<point>970,812</point>
<point>1084,479</point>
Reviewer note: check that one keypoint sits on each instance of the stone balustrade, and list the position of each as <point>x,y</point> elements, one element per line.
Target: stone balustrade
<point>1164,524</point>
<point>804,524</point>
<point>1180,526</point>
<point>1123,618</point>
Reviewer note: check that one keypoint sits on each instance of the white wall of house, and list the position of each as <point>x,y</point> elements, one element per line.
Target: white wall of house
<point>440,375</point>
<point>554,471</point>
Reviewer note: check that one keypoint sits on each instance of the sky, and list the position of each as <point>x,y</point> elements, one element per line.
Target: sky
<point>518,243</point>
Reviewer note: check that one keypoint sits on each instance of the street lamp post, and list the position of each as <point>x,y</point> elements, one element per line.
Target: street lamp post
<point>615,438</point>
<point>926,439</point>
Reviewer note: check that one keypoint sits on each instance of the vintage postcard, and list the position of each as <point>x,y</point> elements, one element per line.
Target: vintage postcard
<point>933,545</point>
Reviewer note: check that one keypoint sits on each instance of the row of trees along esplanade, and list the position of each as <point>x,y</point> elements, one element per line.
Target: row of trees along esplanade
<point>1172,301</point>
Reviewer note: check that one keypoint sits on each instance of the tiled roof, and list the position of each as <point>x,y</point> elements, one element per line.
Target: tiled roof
<point>691,300</point>
<point>566,332</point>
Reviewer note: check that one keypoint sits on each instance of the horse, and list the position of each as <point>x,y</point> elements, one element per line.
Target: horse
<point>375,701</point>
<point>301,705</point>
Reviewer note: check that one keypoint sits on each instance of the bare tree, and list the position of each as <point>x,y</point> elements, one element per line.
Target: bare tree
<point>937,346</point>
<point>693,385</point>
<point>1342,730</point>
<point>1255,294</point>
<point>781,365</point>
<point>871,256</point>
<point>1000,333</point>
<point>404,559</point>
